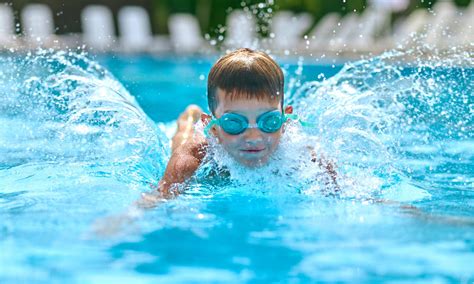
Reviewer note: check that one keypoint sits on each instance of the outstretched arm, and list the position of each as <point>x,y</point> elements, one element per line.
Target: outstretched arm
<point>182,165</point>
<point>188,151</point>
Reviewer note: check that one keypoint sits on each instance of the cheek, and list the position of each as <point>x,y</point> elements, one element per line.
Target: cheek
<point>274,139</point>
<point>226,139</point>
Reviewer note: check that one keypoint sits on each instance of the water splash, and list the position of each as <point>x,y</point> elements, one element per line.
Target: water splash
<point>372,117</point>
<point>375,113</point>
<point>73,141</point>
<point>62,108</point>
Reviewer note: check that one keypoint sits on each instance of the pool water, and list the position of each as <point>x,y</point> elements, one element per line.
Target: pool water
<point>80,144</point>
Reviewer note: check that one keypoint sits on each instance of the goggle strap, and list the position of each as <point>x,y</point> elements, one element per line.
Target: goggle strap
<point>296,118</point>
<point>308,124</point>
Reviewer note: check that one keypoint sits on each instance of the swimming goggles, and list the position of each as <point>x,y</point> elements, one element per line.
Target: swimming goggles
<point>268,122</point>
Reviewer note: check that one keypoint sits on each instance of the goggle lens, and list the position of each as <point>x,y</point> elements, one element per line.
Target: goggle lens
<point>270,122</point>
<point>235,124</point>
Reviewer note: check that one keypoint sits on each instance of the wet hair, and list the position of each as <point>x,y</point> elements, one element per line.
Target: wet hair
<point>245,73</point>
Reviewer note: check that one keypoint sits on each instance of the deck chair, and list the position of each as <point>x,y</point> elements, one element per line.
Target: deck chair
<point>134,28</point>
<point>241,30</point>
<point>347,32</point>
<point>38,25</point>
<point>7,27</point>
<point>323,32</point>
<point>442,24</point>
<point>465,27</point>
<point>373,24</point>
<point>288,29</point>
<point>408,29</point>
<point>135,32</point>
<point>98,28</point>
<point>185,33</point>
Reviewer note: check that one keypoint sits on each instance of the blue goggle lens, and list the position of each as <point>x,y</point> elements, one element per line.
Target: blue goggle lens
<point>270,122</point>
<point>235,124</point>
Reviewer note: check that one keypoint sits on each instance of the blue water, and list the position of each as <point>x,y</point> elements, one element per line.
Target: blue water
<point>80,144</point>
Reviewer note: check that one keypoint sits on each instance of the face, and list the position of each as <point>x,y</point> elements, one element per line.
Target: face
<point>253,147</point>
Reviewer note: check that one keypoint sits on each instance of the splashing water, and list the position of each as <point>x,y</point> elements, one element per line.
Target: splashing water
<point>376,114</point>
<point>74,141</point>
<point>371,117</point>
<point>61,108</point>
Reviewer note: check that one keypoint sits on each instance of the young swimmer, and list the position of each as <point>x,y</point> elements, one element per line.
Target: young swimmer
<point>245,97</point>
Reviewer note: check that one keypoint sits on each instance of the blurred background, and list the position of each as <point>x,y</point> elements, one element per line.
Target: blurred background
<point>197,26</point>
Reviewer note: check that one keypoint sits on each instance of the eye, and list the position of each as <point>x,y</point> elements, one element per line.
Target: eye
<point>271,123</point>
<point>232,125</point>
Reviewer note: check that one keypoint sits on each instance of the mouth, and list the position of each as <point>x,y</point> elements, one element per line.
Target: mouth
<point>252,150</point>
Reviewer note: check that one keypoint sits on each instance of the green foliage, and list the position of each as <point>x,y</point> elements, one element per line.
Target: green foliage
<point>212,14</point>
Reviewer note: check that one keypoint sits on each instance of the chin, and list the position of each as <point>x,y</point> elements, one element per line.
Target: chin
<point>257,163</point>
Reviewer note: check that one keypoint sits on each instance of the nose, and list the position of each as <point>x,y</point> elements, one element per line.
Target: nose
<point>253,135</point>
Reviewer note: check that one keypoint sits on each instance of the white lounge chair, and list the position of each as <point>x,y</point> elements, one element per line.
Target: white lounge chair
<point>7,27</point>
<point>442,24</point>
<point>185,33</point>
<point>288,29</point>
<point>241,30</point>
<point>373,24</point>
<point>465,27</point>
<point>135,31</point>
<point>38,25</point>
<point>98,28</point>
<point>134,28</point>
<point>408,30</point>
<point>347,31</point>
<point>390,5</point>
<point>323,33</point>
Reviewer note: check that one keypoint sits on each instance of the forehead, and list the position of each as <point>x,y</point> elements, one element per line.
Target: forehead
<point>231,101</point>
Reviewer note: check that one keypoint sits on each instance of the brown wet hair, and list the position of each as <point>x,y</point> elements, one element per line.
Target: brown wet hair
<point>245,73</point>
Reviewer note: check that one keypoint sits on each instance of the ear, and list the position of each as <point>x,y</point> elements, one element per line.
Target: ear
<point>288,110</point>
<point>205,118</point>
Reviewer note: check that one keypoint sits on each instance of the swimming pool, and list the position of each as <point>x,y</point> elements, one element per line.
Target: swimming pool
<point>77,146</point>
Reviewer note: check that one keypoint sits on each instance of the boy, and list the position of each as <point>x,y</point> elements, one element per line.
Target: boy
<point>245,97</point>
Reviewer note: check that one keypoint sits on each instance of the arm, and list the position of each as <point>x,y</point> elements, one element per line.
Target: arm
<point>188,151</point>
<point>182,165</point>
